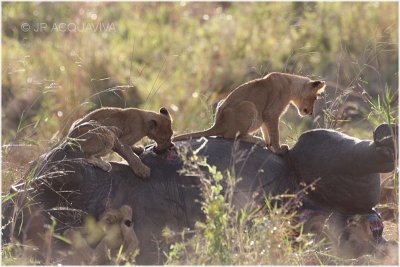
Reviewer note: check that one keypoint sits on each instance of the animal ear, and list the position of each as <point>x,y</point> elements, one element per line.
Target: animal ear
<point>126,211</point>
<point>318,86</point>
<point>164,111</point>
<point>350,220</point>
<point>353,220</point>
<point>109,218</point>
<point>152,124</point>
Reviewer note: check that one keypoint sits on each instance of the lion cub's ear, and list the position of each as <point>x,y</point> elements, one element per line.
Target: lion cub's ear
<point>318,86</point>
<point>126,211</point>
<point>109,217</point>
<point>164,111</point>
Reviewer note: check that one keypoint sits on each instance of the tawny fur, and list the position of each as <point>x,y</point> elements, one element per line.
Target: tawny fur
<point>387,199</point>
<point>259,104</point>
<point>356,239</point>
<point>114,129</point>
<point>117,230</point>
<point>352,241</point>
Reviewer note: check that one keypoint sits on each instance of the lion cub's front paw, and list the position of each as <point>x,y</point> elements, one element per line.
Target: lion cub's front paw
<point>282,150</point>
<point>142,171</point>
<point>138,150</point>
<point>109,167</point>
<point>104,165</point>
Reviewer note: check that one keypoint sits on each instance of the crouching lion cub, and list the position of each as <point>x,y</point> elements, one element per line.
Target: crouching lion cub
<point>114,129</point>
<point>260,103</point>
<point>115,229</point>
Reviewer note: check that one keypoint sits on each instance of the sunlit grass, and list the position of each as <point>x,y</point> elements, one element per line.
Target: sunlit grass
<point>186,57</point>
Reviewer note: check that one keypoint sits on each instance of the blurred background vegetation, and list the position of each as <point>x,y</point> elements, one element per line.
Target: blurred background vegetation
<point>186,57</point>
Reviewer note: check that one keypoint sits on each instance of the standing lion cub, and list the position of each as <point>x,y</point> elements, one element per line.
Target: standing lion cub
<point>115,129</point>
<point>260,103</point>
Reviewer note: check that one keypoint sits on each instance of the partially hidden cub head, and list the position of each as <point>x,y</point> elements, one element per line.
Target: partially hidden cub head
<point>160,129</point>
<point>119,229</point>
<point>306,92</point>
<point>357,238</point>
<point>113,231</point>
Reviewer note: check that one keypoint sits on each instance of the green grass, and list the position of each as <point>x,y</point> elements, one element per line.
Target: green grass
<point>183,56</point>
<point>186,57</point>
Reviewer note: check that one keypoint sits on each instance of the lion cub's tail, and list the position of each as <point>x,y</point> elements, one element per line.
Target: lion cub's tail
<point>210,132</point>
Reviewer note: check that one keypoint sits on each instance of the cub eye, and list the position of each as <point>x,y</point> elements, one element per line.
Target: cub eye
<point>128,223</point>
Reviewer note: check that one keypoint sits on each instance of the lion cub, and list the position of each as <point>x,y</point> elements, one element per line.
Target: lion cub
<point>115,129</point>
<point>260,103</point>
<point>115,230</point>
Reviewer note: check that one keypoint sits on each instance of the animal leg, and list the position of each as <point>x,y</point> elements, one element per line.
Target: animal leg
<point>95,141</point>
<point>273,126</point>
<point>243,120</point>
<point>97,162</point>
<point>137,150</point>
<point>92,138</point>
<point>265,133</point>
<point>136,164</point>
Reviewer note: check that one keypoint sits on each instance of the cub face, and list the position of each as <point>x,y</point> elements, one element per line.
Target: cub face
<point>309,93</point>
<point>357,238</point>
<point>161,130</point>
<point>118,227</point>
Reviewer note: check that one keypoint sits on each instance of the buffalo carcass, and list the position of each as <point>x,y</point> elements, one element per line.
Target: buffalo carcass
<point>66,187</point>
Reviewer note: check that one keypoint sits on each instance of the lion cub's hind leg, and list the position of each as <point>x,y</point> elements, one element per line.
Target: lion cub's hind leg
<point>246,121</point>
<point>97,162</point>
<point>95,141</point>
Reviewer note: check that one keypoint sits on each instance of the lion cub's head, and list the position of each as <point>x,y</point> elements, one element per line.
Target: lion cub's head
<point>118,227</point>
<point>160,129</point>
<point>113,232</point>
<point>307,92</point>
